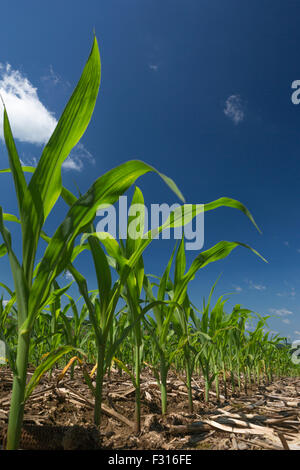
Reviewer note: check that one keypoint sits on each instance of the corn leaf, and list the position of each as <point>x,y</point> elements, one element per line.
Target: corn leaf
<point>45,365</point>
<point>106,190</point>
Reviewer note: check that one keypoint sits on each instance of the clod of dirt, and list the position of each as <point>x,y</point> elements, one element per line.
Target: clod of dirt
<point>81,438</point>
<point>152,423</point>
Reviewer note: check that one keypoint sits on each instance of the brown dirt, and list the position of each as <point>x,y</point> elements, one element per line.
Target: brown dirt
<point>267,417</point>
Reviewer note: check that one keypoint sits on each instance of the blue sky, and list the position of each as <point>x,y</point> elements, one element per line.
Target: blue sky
<point>199,89</point>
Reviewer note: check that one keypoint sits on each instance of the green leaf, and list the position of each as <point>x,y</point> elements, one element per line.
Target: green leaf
<point>7,288</point>
<point>3,250</point>
<point>106,190</point>
<point>20,283</point>
<point>45,365</point>
<point>14,162</point>
<point>136,222</point>
<point>102,272</point>
<point>180,263</point>
<point>233,203</point>
<point>45,185</point>
<point>125,369</point>
<point>165,278</point>
<point>46,180</point>
<point>28,209</point>
<point>220,251</point>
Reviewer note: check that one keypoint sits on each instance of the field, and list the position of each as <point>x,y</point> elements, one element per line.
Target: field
<point>134,358</point>
<point>266,418</point>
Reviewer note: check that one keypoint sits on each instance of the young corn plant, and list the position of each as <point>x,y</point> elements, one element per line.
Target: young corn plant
<point>35,202</point>
<point>129,264</point>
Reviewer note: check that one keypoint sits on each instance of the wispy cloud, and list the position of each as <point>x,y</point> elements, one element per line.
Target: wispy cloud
<point>286,243</point>
<point>258,287</point>
<point>237,288</point>
<point>153,67</point>
<point>51,77</point>
<point>253,285</point>
<point>297,332</point>
<point>290,293</point>
<point>30,120</point>
<point>76,161</point>
<point>286,320</point>
<point>281,312</point>
<point>77,158</point>
<point>234,109</point>
<point>68,276</point>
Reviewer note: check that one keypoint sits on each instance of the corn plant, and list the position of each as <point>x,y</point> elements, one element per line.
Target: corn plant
<point>129,285</point>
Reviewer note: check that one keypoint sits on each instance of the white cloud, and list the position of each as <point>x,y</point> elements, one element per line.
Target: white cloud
<point>291,293</point>
<point>260,287</point>
<point>28,161</point>
<point>286,320</point>
<point>77,158</point>
<point>297,332</point>
<point>53,78</point>
<point>29,118</point>
<point>68,276</point>
<point>153,67</point>
<point>237,288</point>
<point>234,109</point>
<point>75,161</point>
<point>281,312</point>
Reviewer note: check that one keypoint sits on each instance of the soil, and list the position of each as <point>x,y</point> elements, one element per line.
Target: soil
<point>263,417</point>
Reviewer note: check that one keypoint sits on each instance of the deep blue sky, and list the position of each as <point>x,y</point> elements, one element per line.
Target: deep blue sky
<point>168,68</point>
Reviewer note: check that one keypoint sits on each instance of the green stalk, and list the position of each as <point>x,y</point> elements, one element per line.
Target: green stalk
<point>224,380</point>
<point>249,376</point>
<point>99,386</point>
<point>189,385</point>
<point>257,375</point>
<point>232,381</point>
<point>137,361</point>
<point>18,393</point>
<point>206,397</point>
<point>239,378</point>
<point>245,380</point>
<point>163,385</point>
<point>217,383</point>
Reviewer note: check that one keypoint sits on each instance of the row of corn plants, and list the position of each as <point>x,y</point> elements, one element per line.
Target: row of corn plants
<point>213,347</point>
